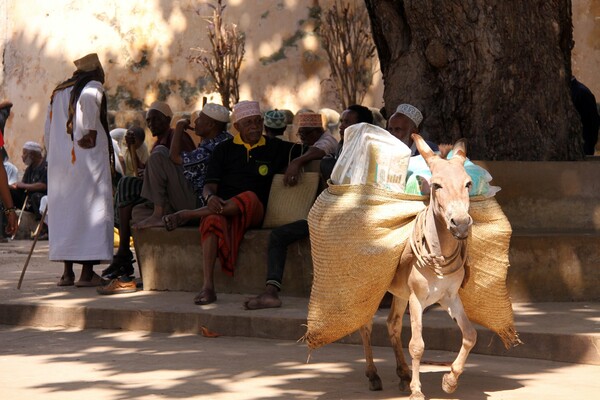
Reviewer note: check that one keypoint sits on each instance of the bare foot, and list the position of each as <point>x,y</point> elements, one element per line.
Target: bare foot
<point>150,222</point>
<point>175,220</point>
<point>265,300</point>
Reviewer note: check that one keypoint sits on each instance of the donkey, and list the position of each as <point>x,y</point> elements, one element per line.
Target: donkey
<point>431,270</point>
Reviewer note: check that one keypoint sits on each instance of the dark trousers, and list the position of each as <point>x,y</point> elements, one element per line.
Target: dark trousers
<point>279,240</point>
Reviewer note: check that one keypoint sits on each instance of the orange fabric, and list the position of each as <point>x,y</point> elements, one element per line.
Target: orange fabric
<point>230,230</point>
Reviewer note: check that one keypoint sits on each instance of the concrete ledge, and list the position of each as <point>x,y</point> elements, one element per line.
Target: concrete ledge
<point>550,195</point>
<point>140,313</point>
<point>553,207</point>
<point>173,261</point>
<point>554,266</point>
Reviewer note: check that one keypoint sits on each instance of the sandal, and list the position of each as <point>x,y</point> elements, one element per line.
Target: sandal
<point>173,221</point>
<point>206,296</point>
<point>95,281</point>
<point>66,281</point>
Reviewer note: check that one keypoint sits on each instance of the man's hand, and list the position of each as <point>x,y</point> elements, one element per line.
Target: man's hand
<point>215,204</point>
<point>183,125</point>
<point>11,226</point>
<point>88,141</point>
<point>292,174</point>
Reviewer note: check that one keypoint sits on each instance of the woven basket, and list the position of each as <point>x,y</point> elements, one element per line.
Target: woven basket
<point>357,235</point>
<point>290,203</point>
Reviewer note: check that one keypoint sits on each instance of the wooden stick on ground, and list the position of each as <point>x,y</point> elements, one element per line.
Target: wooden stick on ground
<point>35,239</point>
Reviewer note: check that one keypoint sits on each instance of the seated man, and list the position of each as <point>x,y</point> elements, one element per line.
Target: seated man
<point>129,188</point>
<point>321,143</point>
<point>236,192</point>
<point>275,124</point>
<point>175,179</point>
<point>404,122</point>
<point>34,184</point>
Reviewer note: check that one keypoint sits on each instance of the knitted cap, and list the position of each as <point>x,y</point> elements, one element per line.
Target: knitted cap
<point>275,119</point>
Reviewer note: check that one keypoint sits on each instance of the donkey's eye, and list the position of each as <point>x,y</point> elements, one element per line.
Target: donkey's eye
<point>436,186</point>
<point>469,185</point>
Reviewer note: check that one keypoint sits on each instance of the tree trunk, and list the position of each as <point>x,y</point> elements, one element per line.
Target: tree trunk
<point>493,71</point>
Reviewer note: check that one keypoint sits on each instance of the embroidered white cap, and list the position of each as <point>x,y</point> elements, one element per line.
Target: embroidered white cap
<point>216,112</point>
<point>411,112</point>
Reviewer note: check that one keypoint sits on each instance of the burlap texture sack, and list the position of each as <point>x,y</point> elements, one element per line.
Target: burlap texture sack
<point>357,236</point>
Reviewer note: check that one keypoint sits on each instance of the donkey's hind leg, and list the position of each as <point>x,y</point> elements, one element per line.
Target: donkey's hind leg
<point>371,370</point>
<point>394,325</point>
<point>455,308</point>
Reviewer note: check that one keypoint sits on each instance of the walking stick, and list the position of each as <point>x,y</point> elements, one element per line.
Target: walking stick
<point>35,239</point>
<point>20,216</point>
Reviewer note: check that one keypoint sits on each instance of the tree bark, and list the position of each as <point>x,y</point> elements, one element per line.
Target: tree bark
<point>495,72</point>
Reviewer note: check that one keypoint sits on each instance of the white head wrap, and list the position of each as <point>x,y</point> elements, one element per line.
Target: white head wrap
<point>32,146</point>
<point>411,112</point>
<point>216,112</point>
<point>118,134</point>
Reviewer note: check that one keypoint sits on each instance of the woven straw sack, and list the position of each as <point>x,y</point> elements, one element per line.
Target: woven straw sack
<point>290,203</point>
<point>357,236</point>
<point>485,295</point>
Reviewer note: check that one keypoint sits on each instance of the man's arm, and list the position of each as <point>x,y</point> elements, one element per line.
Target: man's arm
<point>293,170</point>
<point>177,142</point>
<point>8,203</point>
<point>32,187</point>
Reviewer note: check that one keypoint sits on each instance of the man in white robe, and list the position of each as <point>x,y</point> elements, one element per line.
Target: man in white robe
<point>79,174</point>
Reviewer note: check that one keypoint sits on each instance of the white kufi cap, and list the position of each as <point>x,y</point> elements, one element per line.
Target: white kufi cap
<point>411,112</point>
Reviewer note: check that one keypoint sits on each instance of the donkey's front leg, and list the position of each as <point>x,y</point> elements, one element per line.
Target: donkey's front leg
<point>455,308</point>
<point>371,370</point>
<point>416,346</point>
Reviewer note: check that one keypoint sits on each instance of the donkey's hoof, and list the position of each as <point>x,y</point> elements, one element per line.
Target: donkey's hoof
<point>417,396</point>
<point>375,383</point>
<point>449,383</point>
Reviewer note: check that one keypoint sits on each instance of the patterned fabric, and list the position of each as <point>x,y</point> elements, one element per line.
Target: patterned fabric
<point>230,230</point>
<point>195,163</point>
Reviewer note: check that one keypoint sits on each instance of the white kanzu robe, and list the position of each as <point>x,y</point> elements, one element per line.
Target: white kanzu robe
<point>80,197</point>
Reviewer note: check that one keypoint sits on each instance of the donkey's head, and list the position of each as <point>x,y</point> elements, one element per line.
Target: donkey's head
<point>449,187</point>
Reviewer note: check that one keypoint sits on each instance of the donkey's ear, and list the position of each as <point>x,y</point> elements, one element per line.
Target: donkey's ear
<point>460,150</point>
<point>423,147</point>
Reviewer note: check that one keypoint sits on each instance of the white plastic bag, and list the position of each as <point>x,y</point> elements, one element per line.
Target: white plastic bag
<point>371,156</point>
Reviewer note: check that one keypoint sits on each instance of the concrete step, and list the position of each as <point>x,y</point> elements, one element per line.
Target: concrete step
<point>568,332</point>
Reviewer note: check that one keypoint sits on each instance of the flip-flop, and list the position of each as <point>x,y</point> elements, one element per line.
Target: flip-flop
<point>169,222</point>
<point>95,281</point>
<point>206,296</point>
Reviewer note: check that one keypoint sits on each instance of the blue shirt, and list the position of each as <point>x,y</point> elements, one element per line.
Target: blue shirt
<point>195,162</point>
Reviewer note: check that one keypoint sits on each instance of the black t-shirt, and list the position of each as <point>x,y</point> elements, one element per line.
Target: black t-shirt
<point>236,169</point>
<point>36,174</point>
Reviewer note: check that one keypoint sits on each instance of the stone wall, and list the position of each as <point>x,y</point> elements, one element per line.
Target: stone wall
<point>144,46</point>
